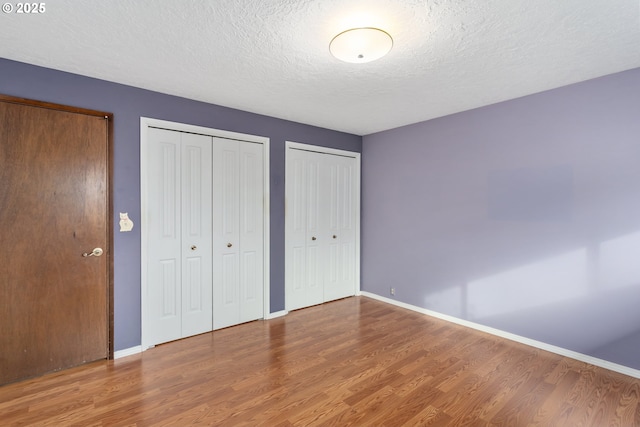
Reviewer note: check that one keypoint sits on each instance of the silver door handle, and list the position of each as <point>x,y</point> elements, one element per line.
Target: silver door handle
<point>95,252</point>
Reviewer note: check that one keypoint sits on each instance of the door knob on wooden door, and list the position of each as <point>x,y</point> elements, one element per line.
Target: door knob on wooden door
<point>95,252</point>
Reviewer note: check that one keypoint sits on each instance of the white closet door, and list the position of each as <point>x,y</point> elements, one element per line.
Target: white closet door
<point>341,231</point>
<point>164,266</point>
<point>251,231</point>
<point>296,230</point>
<point>321,227</point>
<point>238,232</point>
<point>226,237</point>
<point>304,272</point>
<point>178,300</point>
<point>197,303</point>
<point>316,239</point>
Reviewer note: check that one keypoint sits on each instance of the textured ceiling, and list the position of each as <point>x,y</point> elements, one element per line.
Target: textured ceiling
<point>272,56</point>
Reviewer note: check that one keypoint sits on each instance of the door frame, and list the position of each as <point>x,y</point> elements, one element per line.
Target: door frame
<point>145,124</point>
<point>109,186</point>
<point>291,145</point>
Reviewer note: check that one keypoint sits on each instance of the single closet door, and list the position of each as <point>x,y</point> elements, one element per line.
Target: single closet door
<point>304,266</point>
<point>238,200</point>
<point>179,284</point>
<point>321,228</point>
<point>339,227</point>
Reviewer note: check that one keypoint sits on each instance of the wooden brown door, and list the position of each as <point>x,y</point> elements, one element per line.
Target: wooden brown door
<point>54,207</point>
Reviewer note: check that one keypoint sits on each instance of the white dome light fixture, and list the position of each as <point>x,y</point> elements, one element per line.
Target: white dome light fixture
<point>360,45</point>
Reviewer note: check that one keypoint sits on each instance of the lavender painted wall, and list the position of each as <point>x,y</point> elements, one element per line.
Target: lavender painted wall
<point>523,216</point>
<point>128,104</point>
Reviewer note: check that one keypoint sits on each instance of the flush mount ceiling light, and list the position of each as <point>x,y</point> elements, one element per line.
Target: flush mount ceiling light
<point>359,45</point>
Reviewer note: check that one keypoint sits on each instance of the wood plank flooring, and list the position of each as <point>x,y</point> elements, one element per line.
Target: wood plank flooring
<point>353,362</point>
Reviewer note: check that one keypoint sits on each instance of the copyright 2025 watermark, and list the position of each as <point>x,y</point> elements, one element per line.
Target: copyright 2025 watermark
<point>24,8</point>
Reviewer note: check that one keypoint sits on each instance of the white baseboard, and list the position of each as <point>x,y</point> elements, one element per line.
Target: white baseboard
<point>276,314</point>
<point>127,352</point>
<point>513,337</point>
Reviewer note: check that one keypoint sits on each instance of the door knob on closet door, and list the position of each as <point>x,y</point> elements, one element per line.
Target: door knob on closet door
<point>313,238</point>
<point>229,245</point>
<point>194,247</point>
<point>335,237</point>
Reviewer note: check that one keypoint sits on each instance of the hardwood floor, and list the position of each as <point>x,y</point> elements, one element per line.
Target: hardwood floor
<point>355,361</point>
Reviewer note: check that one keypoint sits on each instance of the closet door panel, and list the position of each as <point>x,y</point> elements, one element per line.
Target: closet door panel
<point>348,225</point>
<point>331,228</point>
<point>164,267</point>
<point>251,240</point>
<point>196,245</point>
<point>239,232</point>
<point>226,236</point>
<point>342,259</point>
<point>316,240</point>
<point>296,270</point>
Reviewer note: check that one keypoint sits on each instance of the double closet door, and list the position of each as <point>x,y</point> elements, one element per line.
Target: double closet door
<point>321,227</point>
<point>204,266</point>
